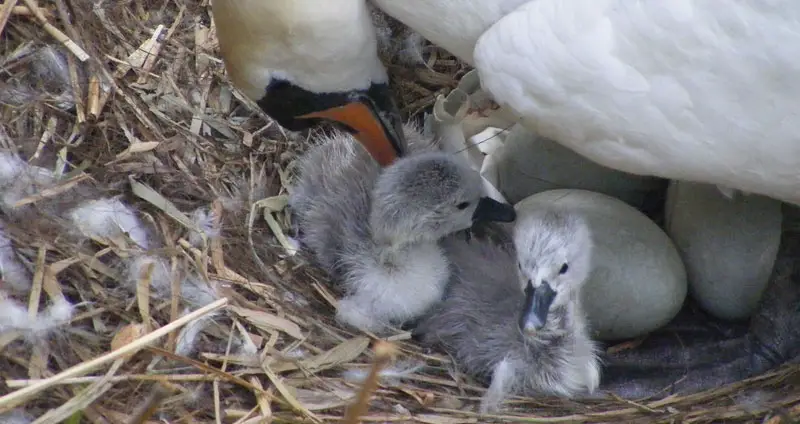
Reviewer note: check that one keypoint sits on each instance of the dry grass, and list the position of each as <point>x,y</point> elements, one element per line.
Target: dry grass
<point>140,106</point>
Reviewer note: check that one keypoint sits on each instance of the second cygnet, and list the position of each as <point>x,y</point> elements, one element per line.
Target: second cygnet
<point>520,326</point>
<point>377,230</point>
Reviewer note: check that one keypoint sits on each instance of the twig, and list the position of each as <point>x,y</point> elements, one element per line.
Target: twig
<point>150,405</point>
<point>84,398</point>
<point>55,32</point>
<point>384,353</point>
<point>15,384</point>
<point>6,9</point>
<point>21,11</point>
<point>52,191</point>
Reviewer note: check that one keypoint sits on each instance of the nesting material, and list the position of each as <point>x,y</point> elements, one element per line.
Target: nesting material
<point>109,218</point>
<point>205,221</point>
<point>193,290</point>
<point>392,376</point>
<point>16,416</point>
<point>50,68</point>
<point>10,167</point>
<point>19,180</point>
<point>15,317</point>
<point>159,269</point>
<point>13,272</point>
<point>187,338</point>
<point>396,42</point>
<point>49,78</point>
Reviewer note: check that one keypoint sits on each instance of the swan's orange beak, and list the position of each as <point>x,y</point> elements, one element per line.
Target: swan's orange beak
<point>371,114</point>
<point>383,142</point>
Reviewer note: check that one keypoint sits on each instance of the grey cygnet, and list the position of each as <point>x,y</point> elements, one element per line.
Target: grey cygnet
<point>520,326</point>
<point>376,230</point>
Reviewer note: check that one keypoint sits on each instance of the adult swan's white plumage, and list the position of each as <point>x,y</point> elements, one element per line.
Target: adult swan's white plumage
<point>683,89</point>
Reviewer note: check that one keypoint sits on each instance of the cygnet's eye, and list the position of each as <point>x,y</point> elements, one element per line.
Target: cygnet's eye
<point>463,205</point>
<point>564,269</point>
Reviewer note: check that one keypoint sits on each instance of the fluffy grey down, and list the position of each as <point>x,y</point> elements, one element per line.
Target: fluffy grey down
<point>477,323</point>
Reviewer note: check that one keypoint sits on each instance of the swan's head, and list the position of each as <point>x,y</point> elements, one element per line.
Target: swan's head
<point>304,61</point>
<point>554,257</point>
<point>429,196</point>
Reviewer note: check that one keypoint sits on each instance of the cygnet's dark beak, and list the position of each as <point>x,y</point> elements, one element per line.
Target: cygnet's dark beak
<point>491,210</point>
<point>536,308</point>
<point>371,115</point>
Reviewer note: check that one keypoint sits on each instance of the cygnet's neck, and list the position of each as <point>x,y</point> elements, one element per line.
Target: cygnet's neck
<point>562,320</point>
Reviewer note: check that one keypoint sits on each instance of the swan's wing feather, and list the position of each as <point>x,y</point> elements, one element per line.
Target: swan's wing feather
<point>682,89</point>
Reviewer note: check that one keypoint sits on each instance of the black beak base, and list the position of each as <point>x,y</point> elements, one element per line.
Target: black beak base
<point>491,210</point>
<point>536,308</point>
<point>380,100</point>
<point>287,104</point>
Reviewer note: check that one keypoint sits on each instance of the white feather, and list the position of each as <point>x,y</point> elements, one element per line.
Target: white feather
<point>160,278</point>
<point>19,180</point>
<point>193,289</point>
<point>187,338</point>
<point>16,416</point>
<point>204,219</point>
<point>13,271</point>
<point>14,317</point>
<point>109,218</point>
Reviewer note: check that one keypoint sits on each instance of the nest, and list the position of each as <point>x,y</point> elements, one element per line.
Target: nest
<point>130,99</point>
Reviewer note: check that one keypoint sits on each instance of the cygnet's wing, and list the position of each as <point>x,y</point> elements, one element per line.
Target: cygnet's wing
<point>773,339</point>
<point>476,321</point>
<point>330,199</point>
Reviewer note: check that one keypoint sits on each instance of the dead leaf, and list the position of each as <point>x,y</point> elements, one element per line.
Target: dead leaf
<point>269,322</point>
<point>342,353</point>
<point>127,335</point>
<point>135,148</point>
<point>442,419</point>
<point>315,400</point>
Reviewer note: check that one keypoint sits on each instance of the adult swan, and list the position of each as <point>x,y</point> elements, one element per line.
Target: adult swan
<point>684,90</point>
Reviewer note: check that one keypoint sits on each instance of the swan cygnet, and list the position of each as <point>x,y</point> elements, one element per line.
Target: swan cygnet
<point>522,327</point>
<point>376,230</point>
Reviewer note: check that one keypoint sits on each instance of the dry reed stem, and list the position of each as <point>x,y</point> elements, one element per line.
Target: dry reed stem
<point>151,404</point>
<point>6,10</point>
<point>13,399</point>
<point>384,354</point>
<point>55,32</point>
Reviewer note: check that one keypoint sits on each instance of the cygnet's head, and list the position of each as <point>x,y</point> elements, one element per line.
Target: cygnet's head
<point>554,251</point>
<point>428,196</point>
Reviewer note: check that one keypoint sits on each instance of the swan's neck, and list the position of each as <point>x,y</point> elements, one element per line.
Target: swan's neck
<point>454,25</point>
<point>320,46</point>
